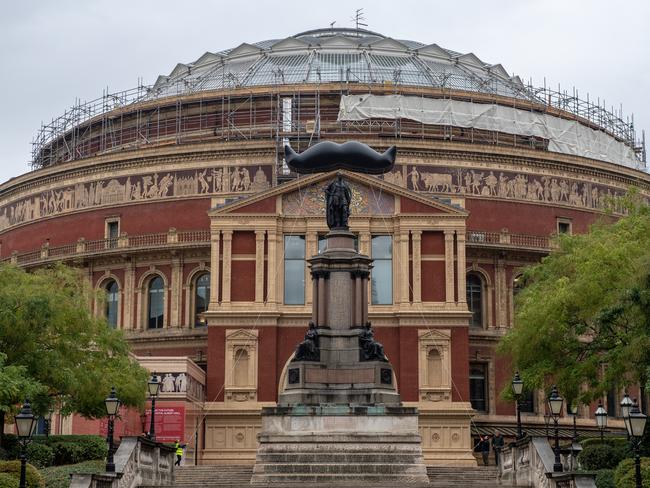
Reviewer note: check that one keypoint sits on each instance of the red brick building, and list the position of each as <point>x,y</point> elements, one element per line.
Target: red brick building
<point>175,200</point>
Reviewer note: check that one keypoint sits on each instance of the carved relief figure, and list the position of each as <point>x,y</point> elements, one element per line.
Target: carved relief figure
<point>415,178</point>
<point>260,182</point>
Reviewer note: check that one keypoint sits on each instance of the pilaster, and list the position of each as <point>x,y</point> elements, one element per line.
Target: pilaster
<point>259,265</point>
<point>461,266</point>
<point>416,242</point>
<point>449,267</point>
<point>402,268</point>
<point>272,272</point>
<point>311,249</point>
<point>227,266</point>
<point>176,292</point>
<point>129,294</point>
<point>215,239</point>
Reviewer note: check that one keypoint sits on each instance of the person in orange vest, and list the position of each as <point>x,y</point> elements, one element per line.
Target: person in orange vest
<point>179,452</point>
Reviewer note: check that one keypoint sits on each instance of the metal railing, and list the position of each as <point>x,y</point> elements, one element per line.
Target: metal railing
<point>82,247</point>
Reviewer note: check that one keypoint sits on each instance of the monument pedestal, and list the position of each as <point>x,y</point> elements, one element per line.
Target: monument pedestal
<point>337,443</point>
<point>339,417</point>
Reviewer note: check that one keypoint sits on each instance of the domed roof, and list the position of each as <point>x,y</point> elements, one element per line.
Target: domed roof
<point>339,55</point>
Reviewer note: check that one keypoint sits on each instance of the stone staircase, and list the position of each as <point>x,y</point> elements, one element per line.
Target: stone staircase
<point>462,477</point>
<point>239,477</point>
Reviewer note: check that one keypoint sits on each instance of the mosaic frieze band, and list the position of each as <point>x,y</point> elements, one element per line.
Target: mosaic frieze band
<point>134,188</point>
<point>506,185</point>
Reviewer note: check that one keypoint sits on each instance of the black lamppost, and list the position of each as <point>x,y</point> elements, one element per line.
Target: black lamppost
<point>555,405</point>
<point>112,404</point>
<point>25,422</point>
<point>626,408</point>
<point>154,388</point>
<point>47,418</point>
<point>601,420</point>
<point>635,425</point>
<point>573,410</point>
<point>517,389</point>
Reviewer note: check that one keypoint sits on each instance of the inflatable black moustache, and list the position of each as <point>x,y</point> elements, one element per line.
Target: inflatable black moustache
<point>352,155</point>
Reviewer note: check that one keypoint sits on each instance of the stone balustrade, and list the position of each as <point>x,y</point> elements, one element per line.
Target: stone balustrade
<point>529,462</point>
<point>138,462</point>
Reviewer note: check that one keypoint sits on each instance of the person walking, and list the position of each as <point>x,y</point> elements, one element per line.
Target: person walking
<point>179,452</point>
<point>485,449</point>
<point>497,445</point>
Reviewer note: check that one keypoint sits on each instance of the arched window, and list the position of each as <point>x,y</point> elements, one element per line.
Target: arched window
<point>201,298</point>
<point>112,300</point>
<point>156,305</point>
<point>434,368</point>
<point>475,299</point>
<point>240,374</point>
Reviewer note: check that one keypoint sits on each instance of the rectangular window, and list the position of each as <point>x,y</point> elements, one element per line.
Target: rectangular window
<point>564,226</point>
<point>527,402</point>
<point>612,402</point>
<point>294,270</point>
<point>112,232</point>
<point>381,275</point>
<point>478,386</point>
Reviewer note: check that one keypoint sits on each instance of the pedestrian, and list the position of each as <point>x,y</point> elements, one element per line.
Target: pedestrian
<point>497,445</point>
<point>179,452</point>
<point>485,449</point>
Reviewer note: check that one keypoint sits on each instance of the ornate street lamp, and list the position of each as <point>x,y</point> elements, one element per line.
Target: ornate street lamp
<point>25,423</point>
<point>47,418</point>
<point>517,389</point>
<point>626,407</point>
<point>635,425</point>
<point>555,406</point>
<point>153,387</point>
<point>601,420</point>
<point>573,410</point>
<point>112,404</point>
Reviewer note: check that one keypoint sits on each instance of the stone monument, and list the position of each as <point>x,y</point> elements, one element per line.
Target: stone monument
<point>339,417</point>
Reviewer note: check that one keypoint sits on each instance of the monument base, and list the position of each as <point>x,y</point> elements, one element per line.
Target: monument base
<point>339,443</point>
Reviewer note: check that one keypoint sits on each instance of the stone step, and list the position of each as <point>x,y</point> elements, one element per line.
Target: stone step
<point>307,469</point>
<point>358,457</point>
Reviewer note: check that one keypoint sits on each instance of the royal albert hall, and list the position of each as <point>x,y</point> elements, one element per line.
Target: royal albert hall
<point>175,200</point>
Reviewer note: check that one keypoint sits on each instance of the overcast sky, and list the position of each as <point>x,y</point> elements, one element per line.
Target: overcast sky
<point>53,52</point>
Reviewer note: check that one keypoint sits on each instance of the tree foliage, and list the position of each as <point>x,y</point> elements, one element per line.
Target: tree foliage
<point>55,351</point>
<point>583,317</point>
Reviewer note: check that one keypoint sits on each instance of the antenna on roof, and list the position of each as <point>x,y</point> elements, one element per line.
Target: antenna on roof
<point>359,19</point>
<point>332,24</point>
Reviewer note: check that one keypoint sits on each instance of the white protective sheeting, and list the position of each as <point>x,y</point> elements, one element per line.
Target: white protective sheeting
<point>564,136</point>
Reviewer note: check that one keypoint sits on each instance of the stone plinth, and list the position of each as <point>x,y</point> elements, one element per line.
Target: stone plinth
<point>335,443</point>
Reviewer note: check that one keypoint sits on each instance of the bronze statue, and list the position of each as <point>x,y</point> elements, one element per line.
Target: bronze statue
<point>338,197</point>
<point>308,350</point>
<point>371,350</point>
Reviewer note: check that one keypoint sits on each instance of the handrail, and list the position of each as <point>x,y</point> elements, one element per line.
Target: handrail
<point>82,247</point>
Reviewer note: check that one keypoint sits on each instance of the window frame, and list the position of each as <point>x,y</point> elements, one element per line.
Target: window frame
<point>486,393</point>
<point>195,287</point>
<point>375,260</point>
<point>482,299</point>
<point>286,259</point>
<point>117,301</point>
<point>160,323</point>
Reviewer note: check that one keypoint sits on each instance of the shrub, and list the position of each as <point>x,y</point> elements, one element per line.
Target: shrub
<point>75,449</point>
<point>605,478</point>
<point>40,455</point>
<point>595,457</point>
<point>67,453</point>
<point>10,446</point>
<point>8,481</point>
<point>624,475</point>
<point>621,442</point>
<point>33,477</point>
<point>59,476</point>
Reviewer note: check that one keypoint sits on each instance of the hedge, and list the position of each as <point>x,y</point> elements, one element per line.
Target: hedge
<point>605,478</point>
<point>8,481</point>
<point>625,476</point>
<point>40,455</point>
<point>33,477</point>
<point>58,449</point>
<point>59,476</point>
<point>597,456</point>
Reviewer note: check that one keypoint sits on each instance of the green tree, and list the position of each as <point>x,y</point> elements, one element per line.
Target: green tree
<point>55,351</point>
<point>583,318</point>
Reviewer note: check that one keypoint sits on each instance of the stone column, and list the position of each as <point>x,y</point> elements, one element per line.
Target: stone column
<point>358,300</point>
<point>403,268</point>
<point>501,293</point>
<point>416,237</point>
<point>314,304</point>
<point>311,249</point>
<point>461,266</point>
<point>227,263</point>
<point>129,295</point>
<point>364,243</point>
<point>272,272</point>
<point>449,266</point>
<point>259,266</point>
<point>176,291</point>
<point>322,300</point>
<point>214,269</point>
